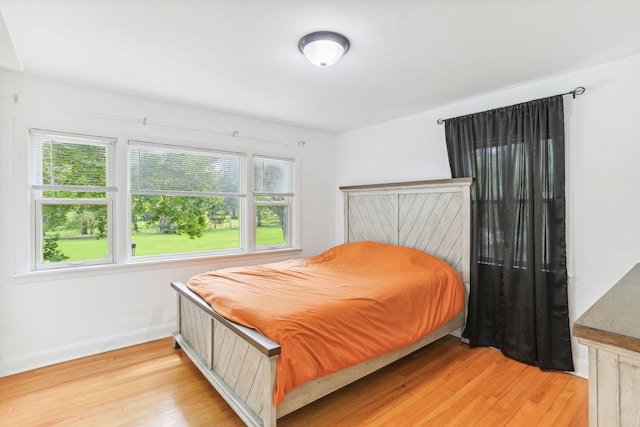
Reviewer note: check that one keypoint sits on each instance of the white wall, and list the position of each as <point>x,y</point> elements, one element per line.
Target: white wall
<point>45,318</point>
<point>603,168</point>
<point>48,317</point>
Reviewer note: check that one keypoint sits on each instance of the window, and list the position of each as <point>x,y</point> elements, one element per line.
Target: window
<point>72,188</point>
<point>185,200</point>
<point>181,201</point>
<point>272,197</point>
<point>492,167</point>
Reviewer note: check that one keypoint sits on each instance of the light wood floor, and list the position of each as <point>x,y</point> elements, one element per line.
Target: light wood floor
<point>446,383</point>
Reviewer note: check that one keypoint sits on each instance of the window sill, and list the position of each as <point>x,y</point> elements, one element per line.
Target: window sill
<point>148,264</point>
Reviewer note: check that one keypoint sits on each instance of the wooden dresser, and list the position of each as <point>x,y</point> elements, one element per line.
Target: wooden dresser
<point>611,330</point>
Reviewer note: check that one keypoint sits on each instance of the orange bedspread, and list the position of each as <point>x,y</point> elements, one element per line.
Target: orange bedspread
<point>347,305</point>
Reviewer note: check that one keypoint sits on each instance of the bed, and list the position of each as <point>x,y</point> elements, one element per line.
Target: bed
<point>431,216</point>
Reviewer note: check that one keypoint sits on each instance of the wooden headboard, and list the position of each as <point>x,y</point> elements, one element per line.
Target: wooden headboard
<point>433,216</point>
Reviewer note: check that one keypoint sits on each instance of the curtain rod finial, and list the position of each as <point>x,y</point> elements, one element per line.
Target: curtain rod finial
<point>440,121</point>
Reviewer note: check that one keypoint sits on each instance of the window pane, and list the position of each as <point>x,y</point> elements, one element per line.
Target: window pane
<point>272,225</point>
<point>74,232</point>
<point>177,224</point>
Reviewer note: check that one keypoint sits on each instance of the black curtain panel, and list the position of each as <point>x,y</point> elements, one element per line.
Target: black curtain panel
<point>518,300</point>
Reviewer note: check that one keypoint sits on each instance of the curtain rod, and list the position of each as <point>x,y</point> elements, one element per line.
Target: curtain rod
<point>577,91</point>
<point>145,121</point>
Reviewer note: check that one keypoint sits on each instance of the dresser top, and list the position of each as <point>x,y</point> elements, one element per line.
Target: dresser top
<point>615,318</point>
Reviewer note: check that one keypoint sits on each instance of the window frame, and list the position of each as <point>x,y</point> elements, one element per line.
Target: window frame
<point>241,195</point>
<point>38,199</point>
<point>119,206</point>
<point>287,202</point>
<point>246,203</point>
<point>495,150</point>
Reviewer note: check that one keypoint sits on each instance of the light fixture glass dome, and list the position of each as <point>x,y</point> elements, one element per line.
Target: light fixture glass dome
<point>323,48</point>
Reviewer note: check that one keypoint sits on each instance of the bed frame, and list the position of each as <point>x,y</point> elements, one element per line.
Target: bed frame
<point>433,216</point>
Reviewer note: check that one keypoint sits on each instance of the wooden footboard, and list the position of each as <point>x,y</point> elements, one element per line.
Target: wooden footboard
<point>240,363</point>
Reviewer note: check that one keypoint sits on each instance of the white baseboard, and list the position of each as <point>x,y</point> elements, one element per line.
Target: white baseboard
<point>51,356</point>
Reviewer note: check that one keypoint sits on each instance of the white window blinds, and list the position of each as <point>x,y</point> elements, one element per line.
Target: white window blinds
<point>63,162</point>
<point>272,177</point>
<point>172,170</point>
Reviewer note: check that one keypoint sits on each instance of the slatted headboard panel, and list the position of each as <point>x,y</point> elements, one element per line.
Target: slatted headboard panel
<point>433,216</point>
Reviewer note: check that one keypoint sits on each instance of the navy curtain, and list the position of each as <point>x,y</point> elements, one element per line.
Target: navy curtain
<point>518,300</point>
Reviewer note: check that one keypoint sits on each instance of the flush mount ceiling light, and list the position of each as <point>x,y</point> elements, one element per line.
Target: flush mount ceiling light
<point>323,48</point>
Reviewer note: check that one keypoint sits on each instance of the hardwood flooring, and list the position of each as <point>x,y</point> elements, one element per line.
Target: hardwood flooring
<point>445,384</point>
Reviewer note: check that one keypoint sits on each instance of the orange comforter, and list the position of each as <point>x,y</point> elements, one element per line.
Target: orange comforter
<point>347,305</point>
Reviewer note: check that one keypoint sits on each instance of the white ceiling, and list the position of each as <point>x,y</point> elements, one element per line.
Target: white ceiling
<point>241,56</point>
